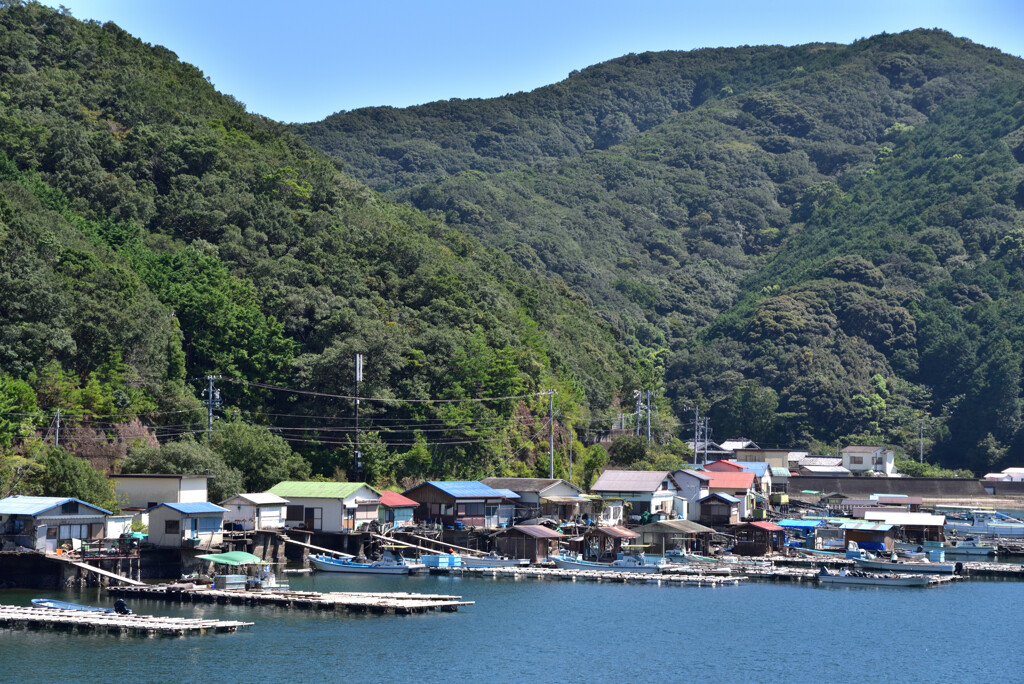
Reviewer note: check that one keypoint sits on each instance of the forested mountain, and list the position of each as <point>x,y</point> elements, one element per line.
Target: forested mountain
<point>813,243</point>
<point>153,232</point>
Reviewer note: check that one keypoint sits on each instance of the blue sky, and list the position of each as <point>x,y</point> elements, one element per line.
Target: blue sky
<point>301,61</point>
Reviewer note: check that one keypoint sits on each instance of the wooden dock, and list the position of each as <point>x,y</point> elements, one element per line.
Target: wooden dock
<point>661,579</point>
<point>982,569</point>
<point>33,617</point>
<point>398,603</point>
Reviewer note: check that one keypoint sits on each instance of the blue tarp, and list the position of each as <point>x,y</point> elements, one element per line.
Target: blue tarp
<point>800,524</point>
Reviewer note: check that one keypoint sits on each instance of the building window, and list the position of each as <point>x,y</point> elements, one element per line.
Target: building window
<point>172,527</point>
<point>295,513</point>
<point>70,508</point>
<point>856,460</point>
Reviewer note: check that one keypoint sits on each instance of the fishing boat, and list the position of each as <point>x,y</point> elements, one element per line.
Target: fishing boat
<point>493,560</point>
<point>629,562</point>
<point>968,547</point>
<point>986,522</point>
<point>389,564</point>
<point>678,555</point>
<point>898,566</point>
<point>64,605</point>
<point>872,579</point>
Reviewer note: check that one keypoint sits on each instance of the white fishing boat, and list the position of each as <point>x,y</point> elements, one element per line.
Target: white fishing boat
<point>493,560</point>
<point>894,565</point>
<point>968,547</point>
<point>629,562</point>
<point>872,579</point>
<point>986,522</point>
<point>389,564</point>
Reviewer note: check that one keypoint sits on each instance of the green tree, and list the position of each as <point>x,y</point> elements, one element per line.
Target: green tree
<point>263,458</point>
<point>67,475</point>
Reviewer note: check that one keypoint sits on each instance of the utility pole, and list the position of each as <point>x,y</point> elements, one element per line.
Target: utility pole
<point>639,405</point>
<point>648,415</point>
<point>551,431</point>
<point>56,440</point>
<point>212,401</point>
<point>572,433</point>
<point>707,436</point>
<point>920,434</point>
<point>358,454</point>
<point>696,432</point>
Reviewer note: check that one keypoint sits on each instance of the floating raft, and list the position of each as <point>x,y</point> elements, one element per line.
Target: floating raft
<point>400,603</point>
<point>811,575</point>
<point>696,580</point>
<point>32,617</point>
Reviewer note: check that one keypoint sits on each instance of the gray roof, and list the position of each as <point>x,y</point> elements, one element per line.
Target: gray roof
<point>524,484</point>
<point>838,470</point>
<point>820,461</point>
<point>629,481</point>
<point>702,476</point>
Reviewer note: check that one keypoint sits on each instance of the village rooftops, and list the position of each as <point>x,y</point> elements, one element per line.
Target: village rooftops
<point>523,484</point>
<point>724,465</point>
<point>34,505</point>
<point>767,526</point>
<point>293,489</point>
<point>719,495</point>
<point>741,443</point>
<point>821,461</point>
<point>759,468</point>
<point>538,532</point>
<point>630,481</point>
<point>466,489</point>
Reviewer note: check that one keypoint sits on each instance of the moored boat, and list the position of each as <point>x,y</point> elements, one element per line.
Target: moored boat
<point>922,567</point>
<point>968,547</point>
<point>492,560</point>
<point>389,564</point>
<point>873,579</point>
<point>55,604</point>
<point>628,563</point>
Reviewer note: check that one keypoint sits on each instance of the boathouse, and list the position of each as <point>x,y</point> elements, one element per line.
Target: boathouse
<point>758,538</point>
<point>543,497</point>
<point>254,511</point>
<point>396,510</point>
<point>914,528</point>
<point>186,525</point>
<point>873,536</point>
<point>333,507</point>
<point>462,503</point>
<point>45,523</point>
<point>606,542</point>
<point>535,542</point>
<point>142,492</point>
<point>687,535</point>
<point>719,509</point>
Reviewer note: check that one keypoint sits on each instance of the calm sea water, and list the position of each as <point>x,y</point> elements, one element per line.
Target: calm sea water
<point>554,631</point>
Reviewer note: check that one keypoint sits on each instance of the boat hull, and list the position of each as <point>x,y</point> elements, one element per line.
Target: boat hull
<point>348,567</point>
<point>899,581</point>
<point>493,562</point>
<point>922,568</point>
<point>568,564</point>
<point>64,605</point>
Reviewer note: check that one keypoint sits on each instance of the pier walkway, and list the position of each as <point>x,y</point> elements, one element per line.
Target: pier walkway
<point>400,603</point>
<point>32,617</point>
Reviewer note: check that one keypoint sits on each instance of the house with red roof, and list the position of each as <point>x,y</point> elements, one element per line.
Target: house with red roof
<point>739,484</point>
<point>396,510</point>
<point>758,538</point>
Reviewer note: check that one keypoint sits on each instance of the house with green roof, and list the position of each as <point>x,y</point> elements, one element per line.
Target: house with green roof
<point>337,507</point>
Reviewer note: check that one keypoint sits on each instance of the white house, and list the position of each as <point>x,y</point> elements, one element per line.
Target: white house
<point>333,507</point>
<point>693,486</point>
<point>1008,475</point>
<point>143,492</point>
<point>193,525</point>
<point>654,491</point>
<point>43,523</point>
<point>862,459</point>
<point>256,511</point>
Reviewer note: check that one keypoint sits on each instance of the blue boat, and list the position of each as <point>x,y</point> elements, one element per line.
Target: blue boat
<point>64,605</point>
<point>390,564</point>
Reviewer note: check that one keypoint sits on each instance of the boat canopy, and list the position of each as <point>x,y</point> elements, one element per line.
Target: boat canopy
<point>233,558</point>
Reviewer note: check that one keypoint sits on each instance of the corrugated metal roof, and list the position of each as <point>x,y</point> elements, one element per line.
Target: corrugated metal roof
<point>759,468</point>
<point>734,444</point>
<point>800,524</point>
<point>524,484</point>
<point>629,481</point>
<point>617,532</point>
<point>536,531</point>
<point>292,489</point>
<point>866,526</point>
<point>725,465</point>
<point>33,505</point>
<point>700,475</point>
<point>901,517</point>
<point>820,461</point>
<point>731,480</point>
<point>193,507</point>
<point>664,526</point>
<point>767,526</point>
<point>719,495</point>
<point>507,493</point>
<point>396,500</point>
<point>837,470</point>
<point>861,449</point>
<point>258,499</point>
<point>466,489</point>
<point>779,471</point>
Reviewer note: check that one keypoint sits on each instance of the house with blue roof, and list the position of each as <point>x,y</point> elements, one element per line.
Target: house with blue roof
<point>43,523</point>
<point>191,525</point>
<point>462,503</point>
<point>762,475</point>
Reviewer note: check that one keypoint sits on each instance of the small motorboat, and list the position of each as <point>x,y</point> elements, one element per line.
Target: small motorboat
<point>872,579</point>
<point>630,562</point>
<point>389,564</point>
<point>493,560</point>
<point>120,606</point>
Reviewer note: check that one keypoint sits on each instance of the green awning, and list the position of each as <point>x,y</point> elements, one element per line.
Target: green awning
<point>233,558</point>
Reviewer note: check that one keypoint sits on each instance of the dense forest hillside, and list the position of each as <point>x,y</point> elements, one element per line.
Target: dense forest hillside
<point>152,232</point>
<point>812,244</point>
